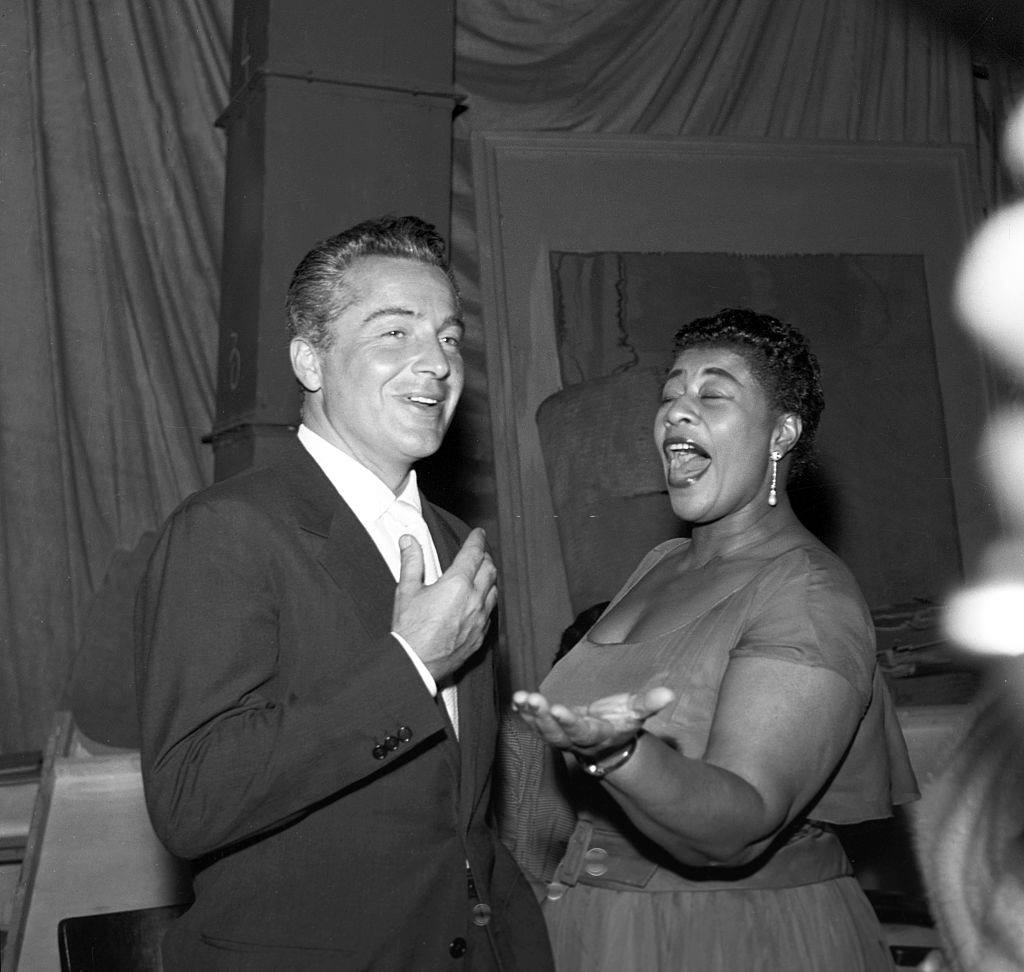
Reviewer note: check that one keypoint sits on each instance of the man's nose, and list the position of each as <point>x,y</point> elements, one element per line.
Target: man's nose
<point>431,358</point>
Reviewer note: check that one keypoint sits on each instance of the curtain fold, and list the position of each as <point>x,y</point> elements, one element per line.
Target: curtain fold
<point>111,190</point>
<point>808,69</point>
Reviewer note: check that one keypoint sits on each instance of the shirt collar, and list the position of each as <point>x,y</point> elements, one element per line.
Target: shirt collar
<point>365,492</point>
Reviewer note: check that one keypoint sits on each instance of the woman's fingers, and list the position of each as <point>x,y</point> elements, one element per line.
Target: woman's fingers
<point>604,722</point>
<point>652,701</point>
<point>533,708</point>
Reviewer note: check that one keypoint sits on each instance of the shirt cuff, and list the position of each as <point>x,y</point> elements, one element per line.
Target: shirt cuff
<point>428,679</point>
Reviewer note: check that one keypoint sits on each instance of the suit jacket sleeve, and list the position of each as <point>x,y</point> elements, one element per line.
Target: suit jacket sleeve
<point>266,684</point>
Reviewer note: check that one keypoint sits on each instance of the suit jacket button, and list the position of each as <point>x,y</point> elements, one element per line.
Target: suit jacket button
<point>391,742</point>
<point>379,752</point>
<point>457,948</point>
<point>481,914</point>
<point>594,861</point>
<point>404,734</point>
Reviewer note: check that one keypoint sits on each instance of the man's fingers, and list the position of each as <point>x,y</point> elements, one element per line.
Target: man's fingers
<point>486,567</point>
<point>470,556</point>
<point>486,577</point>
<point>411,571</point>
<point>475,565</point>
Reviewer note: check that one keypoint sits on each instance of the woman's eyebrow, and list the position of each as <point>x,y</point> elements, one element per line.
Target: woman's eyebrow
<point>722,373</point>
<point>712,370</point>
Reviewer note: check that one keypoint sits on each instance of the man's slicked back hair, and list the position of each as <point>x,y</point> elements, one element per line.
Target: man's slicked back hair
<point>319,290</point>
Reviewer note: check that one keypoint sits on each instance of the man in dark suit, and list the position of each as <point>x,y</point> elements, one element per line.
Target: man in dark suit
<point>317,693</point>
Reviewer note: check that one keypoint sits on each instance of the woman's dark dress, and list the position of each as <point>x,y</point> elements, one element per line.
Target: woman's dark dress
<point>616,901</point>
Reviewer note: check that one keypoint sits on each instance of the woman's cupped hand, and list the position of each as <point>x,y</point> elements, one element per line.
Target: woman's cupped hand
<point>602,725</point>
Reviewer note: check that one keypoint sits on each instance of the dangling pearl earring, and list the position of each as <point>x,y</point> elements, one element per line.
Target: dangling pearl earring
<point>773,496</point>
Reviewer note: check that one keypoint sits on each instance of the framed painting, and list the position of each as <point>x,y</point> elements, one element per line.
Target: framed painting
<point>594,248</point>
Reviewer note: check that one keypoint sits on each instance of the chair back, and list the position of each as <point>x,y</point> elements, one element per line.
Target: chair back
<point>118,941</point>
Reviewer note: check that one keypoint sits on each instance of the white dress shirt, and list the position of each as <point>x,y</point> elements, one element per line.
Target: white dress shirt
<point>371,500</point>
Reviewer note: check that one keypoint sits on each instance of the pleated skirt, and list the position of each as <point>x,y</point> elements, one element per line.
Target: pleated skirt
<point>824,927</point>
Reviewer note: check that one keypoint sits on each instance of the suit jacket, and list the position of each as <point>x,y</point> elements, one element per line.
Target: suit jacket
<point>291,750</point>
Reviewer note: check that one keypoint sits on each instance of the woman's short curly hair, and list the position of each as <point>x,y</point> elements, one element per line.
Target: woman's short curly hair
<point>778,356</point>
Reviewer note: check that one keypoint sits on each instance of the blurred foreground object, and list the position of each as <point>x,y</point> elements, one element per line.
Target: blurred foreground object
<point>969,822</point>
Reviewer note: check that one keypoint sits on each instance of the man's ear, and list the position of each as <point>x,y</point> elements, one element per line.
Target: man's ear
<point>787,432</point>
<point>306,364</point>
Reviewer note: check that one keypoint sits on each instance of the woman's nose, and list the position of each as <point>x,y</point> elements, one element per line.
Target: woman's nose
<point>680,411</point>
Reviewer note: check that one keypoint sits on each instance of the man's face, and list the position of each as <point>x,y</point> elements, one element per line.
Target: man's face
<point>385,390</point>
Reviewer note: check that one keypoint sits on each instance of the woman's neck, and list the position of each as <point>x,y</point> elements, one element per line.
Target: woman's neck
<point>722,538</point>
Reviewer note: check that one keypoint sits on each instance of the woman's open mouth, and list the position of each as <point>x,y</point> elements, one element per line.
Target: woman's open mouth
<point>685,461</point>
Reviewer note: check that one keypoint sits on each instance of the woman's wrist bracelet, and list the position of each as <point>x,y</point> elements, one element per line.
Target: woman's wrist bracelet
<point>602,767</point>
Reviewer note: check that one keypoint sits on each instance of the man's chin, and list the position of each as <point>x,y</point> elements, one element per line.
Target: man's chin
<point>423,446</point>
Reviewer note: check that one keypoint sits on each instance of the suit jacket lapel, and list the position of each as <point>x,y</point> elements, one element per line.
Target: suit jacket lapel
<point>347,552</point>
<point>475,686</point>
<point>354,563</point>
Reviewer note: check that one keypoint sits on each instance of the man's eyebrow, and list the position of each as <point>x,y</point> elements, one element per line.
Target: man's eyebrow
<point>395,311</point>
<point>400,311</point>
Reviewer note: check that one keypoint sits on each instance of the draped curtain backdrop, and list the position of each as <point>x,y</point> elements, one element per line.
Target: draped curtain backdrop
<point>111,179</point>
<point>111,185</point>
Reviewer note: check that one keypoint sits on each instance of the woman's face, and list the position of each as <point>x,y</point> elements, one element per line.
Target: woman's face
<point>714,431</point>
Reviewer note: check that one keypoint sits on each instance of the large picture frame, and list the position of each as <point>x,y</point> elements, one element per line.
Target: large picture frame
<point>541,194</point>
